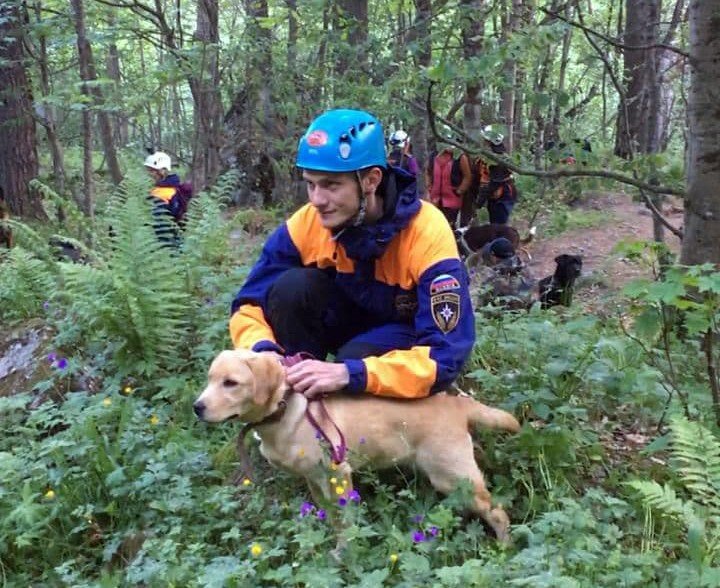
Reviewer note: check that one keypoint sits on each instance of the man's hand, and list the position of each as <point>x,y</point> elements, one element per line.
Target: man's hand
<point>312,377</point>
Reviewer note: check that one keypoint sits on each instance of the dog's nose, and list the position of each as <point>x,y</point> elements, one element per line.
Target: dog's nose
<point>199,409</point>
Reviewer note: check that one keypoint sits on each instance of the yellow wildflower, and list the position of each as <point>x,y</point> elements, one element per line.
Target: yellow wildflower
<point>107,401</point>
<point>345,482</point>
<point>393,557</point>
<point>246,482</point>
<point>50,494</point>
<point>333,466</point>
<point>256,549</point>
<point>333,481</point>
<point>154,420</point>
<point>339,490</point>
<point>128,390</point>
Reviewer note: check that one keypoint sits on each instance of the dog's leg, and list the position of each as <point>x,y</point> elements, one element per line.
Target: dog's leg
<point>446,472</point>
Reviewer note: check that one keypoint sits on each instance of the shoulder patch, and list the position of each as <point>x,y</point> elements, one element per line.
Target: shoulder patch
<point>445,302</point>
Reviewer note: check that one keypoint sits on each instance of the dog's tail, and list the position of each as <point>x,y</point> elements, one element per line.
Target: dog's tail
<point>492,418</point>
<point>529,237</point>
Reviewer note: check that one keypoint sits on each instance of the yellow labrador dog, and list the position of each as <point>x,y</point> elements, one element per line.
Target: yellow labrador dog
<point>432,432</point>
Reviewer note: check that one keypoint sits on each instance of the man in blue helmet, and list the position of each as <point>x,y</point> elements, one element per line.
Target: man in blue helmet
<point>365,271</point>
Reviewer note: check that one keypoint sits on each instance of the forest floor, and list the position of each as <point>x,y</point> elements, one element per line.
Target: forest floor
<point>605,271</point>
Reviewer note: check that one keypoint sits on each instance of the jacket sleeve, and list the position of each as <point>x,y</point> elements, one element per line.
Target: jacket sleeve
<point>444,326</point>
<point>248,326</point>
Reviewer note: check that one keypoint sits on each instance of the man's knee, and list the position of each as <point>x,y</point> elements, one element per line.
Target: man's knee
<point>298,288</point>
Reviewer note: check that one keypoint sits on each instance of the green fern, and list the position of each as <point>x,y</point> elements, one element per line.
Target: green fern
<point>662,499</point>
<point>696,460</point>
<point>134,300</point>
<point>27,282</point>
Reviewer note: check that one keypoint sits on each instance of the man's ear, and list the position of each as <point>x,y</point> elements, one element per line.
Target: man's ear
<point>268,375</point>
<point>371,180</point>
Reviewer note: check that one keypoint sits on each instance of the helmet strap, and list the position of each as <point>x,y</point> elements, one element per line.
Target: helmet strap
<point>362,205</point>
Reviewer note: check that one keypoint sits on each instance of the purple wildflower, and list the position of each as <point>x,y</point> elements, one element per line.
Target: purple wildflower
<point>418,537</point>
<point>52,357</point>
<point>318,435</point>
<point>46,305</point>
<point>342,501</point>
<point>321,514</point>
<point>61,363</point>
<point>354,495</point>
<point>362,440</point>
<point>433,531</point>
<point>418,518</point>
<point>306,508</point>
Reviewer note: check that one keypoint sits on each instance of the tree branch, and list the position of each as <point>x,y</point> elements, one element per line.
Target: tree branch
<point>612,41</point>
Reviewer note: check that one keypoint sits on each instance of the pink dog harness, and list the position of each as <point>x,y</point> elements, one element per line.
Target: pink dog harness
<point>337,452</point>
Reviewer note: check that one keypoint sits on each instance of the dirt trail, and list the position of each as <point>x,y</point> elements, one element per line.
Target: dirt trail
<point>627,220</point>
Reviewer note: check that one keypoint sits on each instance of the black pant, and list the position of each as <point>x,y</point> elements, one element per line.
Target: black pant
<point>308,312</point>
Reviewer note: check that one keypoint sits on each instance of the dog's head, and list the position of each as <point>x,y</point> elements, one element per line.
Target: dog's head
<point>242,384</point>
<point>569,267</point>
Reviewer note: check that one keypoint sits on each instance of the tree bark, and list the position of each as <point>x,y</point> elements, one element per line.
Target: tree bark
<point>18,155</point>
<point>88,74</point>
<point>702,205</point>
<point>637,130</point>
<point>419,35</point>
<point>473,31</point>
<point>207,102</point>
<point>46,111</point>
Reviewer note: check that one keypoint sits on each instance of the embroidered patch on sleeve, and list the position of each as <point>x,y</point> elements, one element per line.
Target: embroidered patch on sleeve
<point>445,302</point>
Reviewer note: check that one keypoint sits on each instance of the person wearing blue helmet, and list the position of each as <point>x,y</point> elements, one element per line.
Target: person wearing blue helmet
<point>364,272</point>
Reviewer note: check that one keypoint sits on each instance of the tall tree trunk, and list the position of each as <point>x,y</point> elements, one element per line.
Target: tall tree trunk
<point>420,35</point>
<point>512,22</point>
<point>88,74</point>
<point>47,112</point>
<point>473,30</point>
<point>112,64</point>
<point>250,125</point>
<point>352,22</point>
<point>207,100</point>
<point>553,129</point>
<point>701,242</point>
<point>637,120</point>
<point>18,155</point>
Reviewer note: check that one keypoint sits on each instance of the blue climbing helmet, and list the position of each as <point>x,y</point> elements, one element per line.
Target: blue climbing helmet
<point>342,140</point>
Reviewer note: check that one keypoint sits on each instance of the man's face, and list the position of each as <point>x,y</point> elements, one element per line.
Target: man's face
<point>336,196</point>
<point>154,174</point>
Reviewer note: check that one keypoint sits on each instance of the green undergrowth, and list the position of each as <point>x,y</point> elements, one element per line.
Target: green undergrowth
<point>107,479</point>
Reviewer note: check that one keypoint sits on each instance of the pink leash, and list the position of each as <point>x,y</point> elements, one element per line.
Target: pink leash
<point>337,452</point>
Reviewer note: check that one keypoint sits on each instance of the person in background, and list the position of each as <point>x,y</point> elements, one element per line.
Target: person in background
<point>400,154</point>
<point>169,198</point>
<point>364,271</point>
<point>448,178</point>
<point>496,187</point>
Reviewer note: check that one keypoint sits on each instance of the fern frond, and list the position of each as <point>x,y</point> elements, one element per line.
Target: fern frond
<point>662,499</point>
<point>696,452</point>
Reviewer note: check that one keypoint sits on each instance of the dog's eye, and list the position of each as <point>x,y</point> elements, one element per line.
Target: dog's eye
<point>228,383</point>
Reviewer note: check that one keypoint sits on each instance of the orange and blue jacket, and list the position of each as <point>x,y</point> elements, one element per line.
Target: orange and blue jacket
<point>405,268</point>
<point>165,204</point>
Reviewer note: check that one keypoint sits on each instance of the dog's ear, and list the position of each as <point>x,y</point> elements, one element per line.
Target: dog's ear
<point>269,376</point>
